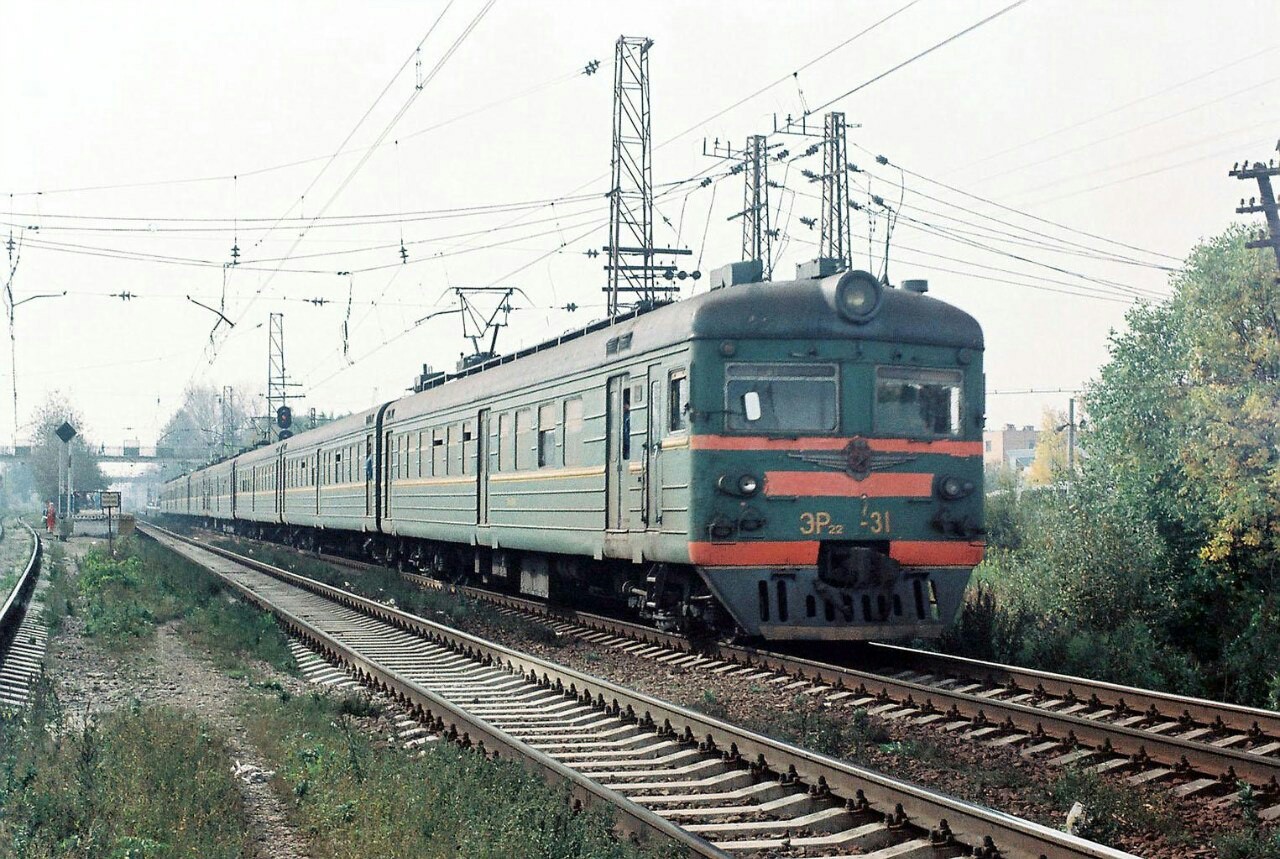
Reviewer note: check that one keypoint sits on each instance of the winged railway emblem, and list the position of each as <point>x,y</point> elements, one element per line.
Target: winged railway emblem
<point>857,459</point>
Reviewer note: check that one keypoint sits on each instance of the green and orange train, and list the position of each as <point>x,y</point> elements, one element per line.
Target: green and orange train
<point>782,460</point>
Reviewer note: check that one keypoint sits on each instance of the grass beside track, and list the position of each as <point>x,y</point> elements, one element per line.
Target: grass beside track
<point>15,552</point>
<point>124,598</point>
<point>349,792</point>
<point>133,784</point>
<point>354,797</point>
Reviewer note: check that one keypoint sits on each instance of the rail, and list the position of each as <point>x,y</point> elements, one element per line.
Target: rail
<point>1205,729</point>
<point>15,605</point>
<point>945,819</point>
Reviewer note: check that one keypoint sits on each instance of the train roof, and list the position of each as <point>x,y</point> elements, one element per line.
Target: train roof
<point>776,310</point>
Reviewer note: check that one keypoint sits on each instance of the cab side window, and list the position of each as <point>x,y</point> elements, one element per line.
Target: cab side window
<point>678,401</point>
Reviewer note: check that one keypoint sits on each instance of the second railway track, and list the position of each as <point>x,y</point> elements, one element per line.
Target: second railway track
<point>1201,750</point>
<point>717,789</point>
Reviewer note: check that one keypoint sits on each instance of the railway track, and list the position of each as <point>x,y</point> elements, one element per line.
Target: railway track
<point>1200,749</point>
<point>22,632</point>
<point>714,788</point>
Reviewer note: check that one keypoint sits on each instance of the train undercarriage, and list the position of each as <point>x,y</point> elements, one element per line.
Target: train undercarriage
<point>793,604</point>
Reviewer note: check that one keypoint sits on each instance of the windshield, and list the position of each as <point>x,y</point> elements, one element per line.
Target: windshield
<point>787,397</point>
<point>917,402</point>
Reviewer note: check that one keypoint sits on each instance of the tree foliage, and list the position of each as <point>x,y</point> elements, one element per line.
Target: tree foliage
<point>47,451</point>
<point>1050,463</point>
<point>1159,563</point>
<point>204,427</point>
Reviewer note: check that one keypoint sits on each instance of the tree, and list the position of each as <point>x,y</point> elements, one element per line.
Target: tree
<point>1050,463</point>
<point>1160,563</point>
<point>202,430</point>
<point>47,451</point>
<point>1188,407</point>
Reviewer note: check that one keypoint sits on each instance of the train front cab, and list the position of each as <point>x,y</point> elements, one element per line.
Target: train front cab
<point>839,488</point>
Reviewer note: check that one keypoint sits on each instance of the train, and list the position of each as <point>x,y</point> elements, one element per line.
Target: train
<point>772,460</point>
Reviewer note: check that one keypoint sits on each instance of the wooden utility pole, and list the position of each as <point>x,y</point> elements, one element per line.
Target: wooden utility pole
<point>1265,202</point>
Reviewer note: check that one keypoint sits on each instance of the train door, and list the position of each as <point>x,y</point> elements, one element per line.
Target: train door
<point>235,489</point>
<point>653,452</point>
<point>482,468</point>
<point>617,450</point>
<point>317,476</point>
<point>368,475</point>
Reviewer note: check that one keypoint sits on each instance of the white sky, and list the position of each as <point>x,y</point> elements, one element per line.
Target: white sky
<point>110,93</point>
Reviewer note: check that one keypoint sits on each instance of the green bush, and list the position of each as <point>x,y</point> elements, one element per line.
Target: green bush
<point>126,597</point>
<point>134,783</point>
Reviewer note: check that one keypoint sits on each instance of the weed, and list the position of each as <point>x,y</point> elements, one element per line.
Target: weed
<point>358,704</point>
<point>1253,842</point>
<point>126,597</point>
<point>60,593</point>
<point>843,735</point>
<point>710,705</point>
<point>1112,812</point>
<point>358,798</point>
<point>138,782</point>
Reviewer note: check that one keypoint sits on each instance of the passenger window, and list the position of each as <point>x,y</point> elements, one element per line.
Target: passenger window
<point>678,401</point>
<point>505,451</point>
<point>573,446</point>
<point>546,435</point>
<point>438,453</point>
<point>524,439</point>
<point>468,447</point>
<point>455,450</point>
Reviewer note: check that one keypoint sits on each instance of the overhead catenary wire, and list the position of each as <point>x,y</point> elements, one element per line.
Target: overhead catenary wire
<point>918,56</point>
<point>1019,212</point>
<point>413,96</point>
<point>1124,132</point>
<point>301,162</point>
<point>991,156</point>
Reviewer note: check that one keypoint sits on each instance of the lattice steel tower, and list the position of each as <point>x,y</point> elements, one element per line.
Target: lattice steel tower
<point>836,241</point>
<point>757,237</point>
<point>631,252</point>
<point>278,384</point>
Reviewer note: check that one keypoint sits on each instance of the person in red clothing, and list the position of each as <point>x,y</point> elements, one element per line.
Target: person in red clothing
<point>50,517</point>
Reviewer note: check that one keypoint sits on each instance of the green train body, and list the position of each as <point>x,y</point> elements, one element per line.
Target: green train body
<point>784,460</point>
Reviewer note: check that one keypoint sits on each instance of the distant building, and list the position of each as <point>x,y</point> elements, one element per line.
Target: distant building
<point>1009,447</point>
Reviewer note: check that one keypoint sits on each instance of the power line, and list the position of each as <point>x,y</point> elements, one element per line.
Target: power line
<point>358,219</point>
<point>413,96</point>
<point>1125,132</point>
<point>915,57</point>
<point>1220,153</point>
<point>793,74</point>
<point>1073,126</point>
<point>1017,211</point>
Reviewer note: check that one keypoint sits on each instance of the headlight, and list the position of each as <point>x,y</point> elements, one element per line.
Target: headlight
<point>952,488</point>
<point>858,296</point>
<point>744,485</point>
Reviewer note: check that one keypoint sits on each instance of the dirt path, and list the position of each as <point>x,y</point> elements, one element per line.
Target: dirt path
<point>167,673</point>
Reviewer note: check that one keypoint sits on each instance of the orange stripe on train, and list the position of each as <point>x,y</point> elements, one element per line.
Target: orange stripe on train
<point>935,553</point>
<point>765,553</point>
<point>804,553</point>
<point>888,445</point>
<point>839,484</point>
